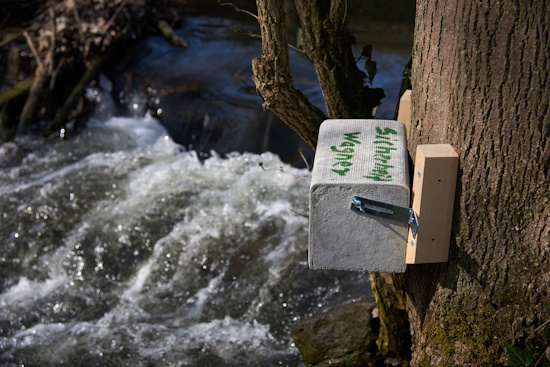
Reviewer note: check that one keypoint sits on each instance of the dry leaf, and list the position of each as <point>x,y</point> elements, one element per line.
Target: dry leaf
<point>548,353</point>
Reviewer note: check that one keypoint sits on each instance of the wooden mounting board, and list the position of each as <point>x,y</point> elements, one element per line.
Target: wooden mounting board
<point>404,114</point>
<point>433,192</point>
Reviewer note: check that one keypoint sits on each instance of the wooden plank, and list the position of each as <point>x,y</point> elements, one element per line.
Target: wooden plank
<point>404,114</point>
<point>433,193</point>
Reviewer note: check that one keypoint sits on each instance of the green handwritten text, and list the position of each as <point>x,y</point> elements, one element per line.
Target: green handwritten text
<point>344,153</point>
<point>382,155</point>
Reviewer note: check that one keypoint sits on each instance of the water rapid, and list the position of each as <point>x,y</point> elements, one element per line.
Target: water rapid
<point>121,248</point>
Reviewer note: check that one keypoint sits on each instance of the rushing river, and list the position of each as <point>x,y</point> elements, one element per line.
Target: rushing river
<point>121,247</point>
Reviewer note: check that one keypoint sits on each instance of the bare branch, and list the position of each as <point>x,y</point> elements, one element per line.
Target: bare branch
<point>305,160</point>
<point>271,74</point>
<point>52,47</point>
<point>297,213</point>
<point>542,326</point>
<point>33,50</point>
<point>281,169</point>
<point>255,35</point>
<point>115,15</point>
<point>239,9</point>
<point>297,49</point>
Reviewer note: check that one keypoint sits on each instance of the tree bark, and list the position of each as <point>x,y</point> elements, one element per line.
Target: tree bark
<point>481,82</point>
<point>271,74</point>
<point>328,44</point>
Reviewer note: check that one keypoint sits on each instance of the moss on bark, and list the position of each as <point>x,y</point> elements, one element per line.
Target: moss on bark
<point>486,102</point>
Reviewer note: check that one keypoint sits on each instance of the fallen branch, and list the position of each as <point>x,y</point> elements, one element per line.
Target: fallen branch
<point>34,100</point>
<point>10,102</point>
<point>115,15</point>
<point>11,38</point>
<point>17,90</point>
<point>62,114</point>
<point>170,35</point>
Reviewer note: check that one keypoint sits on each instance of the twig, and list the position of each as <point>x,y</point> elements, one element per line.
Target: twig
<point>540,358</point>
<point>297,49</point>
<point>5,20</point>
<point>55,72</point>
<point>33,49</point>
<point>115,15</point>
<point>300,214</point>
<point>305,160</point>
<point>75,13</point>
<point>239,9</point>
<point>250,34</point>
<point>345,11</point>
<point>10,38</point>
<point>542,326</point>
<point>255,35</point>
<point>52,49</point>
<point>78,23</point>
<point>281,169</point>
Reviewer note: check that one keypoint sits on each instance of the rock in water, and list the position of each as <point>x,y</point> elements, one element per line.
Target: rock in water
<point>343,336</point>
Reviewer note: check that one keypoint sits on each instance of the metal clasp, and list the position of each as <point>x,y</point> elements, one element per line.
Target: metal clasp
<point>384,210</point>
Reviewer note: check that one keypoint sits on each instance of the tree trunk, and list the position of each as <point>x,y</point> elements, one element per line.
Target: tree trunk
<point>481,83</point>
<point>327,43</point>
<point>271,74</point>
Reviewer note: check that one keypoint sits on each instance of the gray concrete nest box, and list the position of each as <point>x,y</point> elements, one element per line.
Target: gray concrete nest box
<point>366,159</point>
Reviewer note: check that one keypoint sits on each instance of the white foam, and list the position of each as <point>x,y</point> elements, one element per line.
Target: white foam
<point>209,211</point>
<point>202,296</point>
<point>26,291</point>
<point>144,131</point>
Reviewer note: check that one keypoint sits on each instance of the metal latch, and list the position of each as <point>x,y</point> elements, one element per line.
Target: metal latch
<point>367,206</point>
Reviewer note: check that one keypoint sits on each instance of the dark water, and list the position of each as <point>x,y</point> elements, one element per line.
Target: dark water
<point>206,97</point>
<point>123,247</point>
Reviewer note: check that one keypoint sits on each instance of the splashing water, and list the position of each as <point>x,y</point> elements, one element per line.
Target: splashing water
<point>120,248</point>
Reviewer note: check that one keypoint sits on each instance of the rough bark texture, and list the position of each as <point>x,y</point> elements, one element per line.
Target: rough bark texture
<point>327,43</point>
<point>271,74</point>
<point>393,336</point>
<point>481,82</point>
